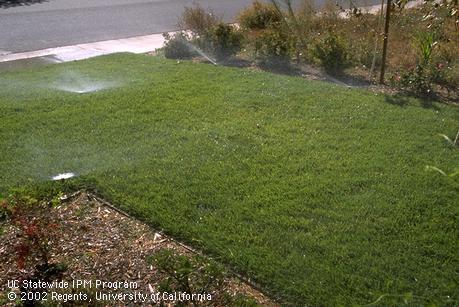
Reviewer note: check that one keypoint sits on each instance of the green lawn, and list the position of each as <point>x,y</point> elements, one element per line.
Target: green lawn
<point>316,191</point>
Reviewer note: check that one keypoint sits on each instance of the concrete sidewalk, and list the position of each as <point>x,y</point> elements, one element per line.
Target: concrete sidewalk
<point>376,9</point>
<point>138,44</point>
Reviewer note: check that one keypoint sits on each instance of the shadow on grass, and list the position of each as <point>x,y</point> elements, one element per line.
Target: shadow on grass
<point>344,78</point>
<point>429,102</point>
<point>310,72</point>
<point>301,70</point>
<point>403,99</point>
<point>12,3</point>
<point>281,69</point>
<point>397,99</point>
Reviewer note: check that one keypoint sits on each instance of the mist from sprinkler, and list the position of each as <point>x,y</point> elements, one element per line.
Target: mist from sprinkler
<point>80,90</point>
<point>76,83</point>
<point>191,46</point>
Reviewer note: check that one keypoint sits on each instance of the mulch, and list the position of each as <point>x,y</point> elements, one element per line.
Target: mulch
<point>99,242</point>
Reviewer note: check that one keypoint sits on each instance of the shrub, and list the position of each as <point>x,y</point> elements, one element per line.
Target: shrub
<point>332,53</point>
<point>38,230</point>
<point>225,41</point>
<point>176,46</point>
<point>272,47</point>
<point>259,16</point>
<point>364,52</point>
<point>38,233</point>
<point>420,79</point>
<point>415,80</point>
<point>266,33</point>
<point>207,32</point>
<point>198,21</point>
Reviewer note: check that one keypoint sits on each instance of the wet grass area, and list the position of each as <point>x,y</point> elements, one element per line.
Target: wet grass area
<point>26,63</point>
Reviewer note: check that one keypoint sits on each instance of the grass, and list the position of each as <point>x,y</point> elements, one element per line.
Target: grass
<point>316,191</point>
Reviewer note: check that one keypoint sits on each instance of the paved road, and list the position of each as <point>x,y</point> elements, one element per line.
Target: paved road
<point>54,23</point>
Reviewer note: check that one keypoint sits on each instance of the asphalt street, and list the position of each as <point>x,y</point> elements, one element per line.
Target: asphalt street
<point>39,24</point>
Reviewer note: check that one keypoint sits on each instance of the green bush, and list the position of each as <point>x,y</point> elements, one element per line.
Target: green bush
<point>415,80</point>
<point>421,79</point>
<point>207,32</point>
<point>198,21</point>
<point>259,16</point>
<point>37,234</point>
<point>176,46</point>
<point>331,51</point>
<point>266,34</point>
<point>364,53</point>
<point>225,41</point>
<point>272,47</point>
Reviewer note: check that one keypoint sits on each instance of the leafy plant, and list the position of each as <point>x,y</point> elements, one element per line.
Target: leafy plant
<point>365,54</point>
<point>38,231</point>
<point>226,41</point>
<point>416,80</point>
<point>295,23</point>
<point>176,46</point>
<point>272,47</point>
<point>435,169</point>
<point>259,16</point>
<point>426,43</point>
<point>454,142</point>
<point>454,176</point>
<point>425,74</point>
<point>267,35</point>
<point>203,30</point>
<point>198,21</point>
<point>37,234</point>
<point>56,200</point>
<point>331,51</point>
<point>420,79</point>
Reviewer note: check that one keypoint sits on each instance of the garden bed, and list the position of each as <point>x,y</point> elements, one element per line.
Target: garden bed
<point>99,242</point>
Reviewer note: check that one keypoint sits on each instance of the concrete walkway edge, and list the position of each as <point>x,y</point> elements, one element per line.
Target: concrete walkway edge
<point>138,44</point>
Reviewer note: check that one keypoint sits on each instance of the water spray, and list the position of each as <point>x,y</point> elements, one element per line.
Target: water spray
<point>201,52</point>
<point>63,176</point>
<point>76,83</point>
